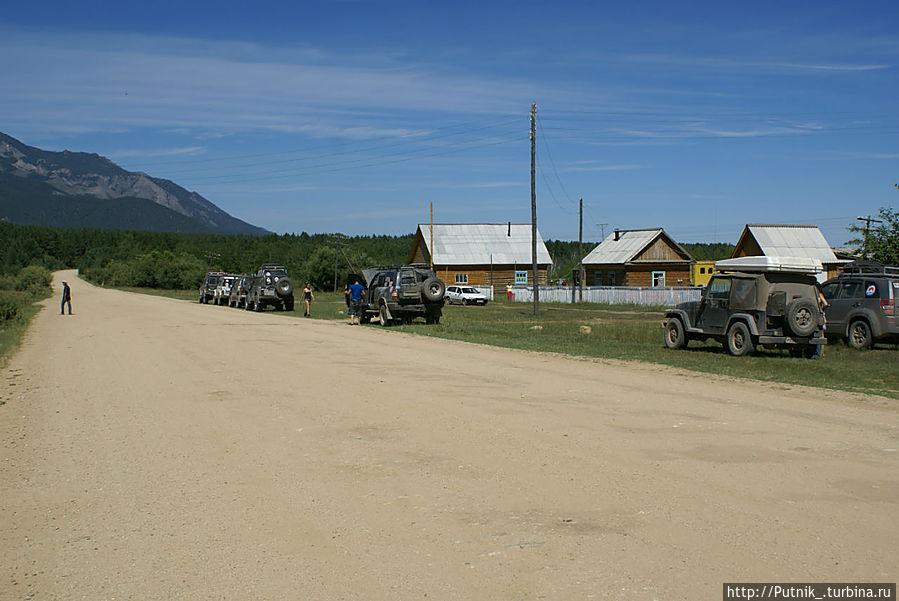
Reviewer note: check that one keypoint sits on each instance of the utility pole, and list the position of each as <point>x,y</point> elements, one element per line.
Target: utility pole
<point>602,230</point>
<point>534,205</point>
<point>868,220</point>
<point>336,256</point>
<point>580,252</point>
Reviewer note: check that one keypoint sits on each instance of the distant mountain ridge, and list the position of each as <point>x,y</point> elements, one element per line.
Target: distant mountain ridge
<point>77,189</point>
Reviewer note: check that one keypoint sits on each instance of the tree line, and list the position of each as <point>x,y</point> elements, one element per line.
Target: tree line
<point>180,260</point>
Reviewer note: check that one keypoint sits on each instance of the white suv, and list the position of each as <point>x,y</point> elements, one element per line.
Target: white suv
<point>465,295</point>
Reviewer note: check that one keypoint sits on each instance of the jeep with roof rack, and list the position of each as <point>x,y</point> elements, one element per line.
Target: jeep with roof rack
<point>207,288</point>
<point>270,287</point>
<point>402,293</point>
<point>861,304</point>
<point>753,302</point>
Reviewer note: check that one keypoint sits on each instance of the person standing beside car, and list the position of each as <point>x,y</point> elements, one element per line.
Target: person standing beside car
<point>822,306</point>
<point>356,292</point>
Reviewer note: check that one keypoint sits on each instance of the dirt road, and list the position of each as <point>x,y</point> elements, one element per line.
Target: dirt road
<point>158,449</point>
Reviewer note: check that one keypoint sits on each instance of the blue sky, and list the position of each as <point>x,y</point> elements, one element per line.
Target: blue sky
<point>354,116</point>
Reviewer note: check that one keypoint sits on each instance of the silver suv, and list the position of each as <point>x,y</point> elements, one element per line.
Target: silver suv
<point>861,304</point>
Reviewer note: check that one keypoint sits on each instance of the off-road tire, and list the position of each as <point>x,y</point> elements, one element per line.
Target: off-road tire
<point>739,340</point>
<point>283,287</point>
<point>675,336</point>
<point>382,316</point>
<point>288,305</point>
<point>802,317</point>
<point>859,335</point>
<point>433,289</point>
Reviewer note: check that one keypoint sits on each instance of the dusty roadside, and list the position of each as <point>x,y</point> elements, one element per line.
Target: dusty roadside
<point>157,449</point>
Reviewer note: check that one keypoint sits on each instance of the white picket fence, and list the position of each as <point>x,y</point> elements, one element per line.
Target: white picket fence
<point>611,295</point>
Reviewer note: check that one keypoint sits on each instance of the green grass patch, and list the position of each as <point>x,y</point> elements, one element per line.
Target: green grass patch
<point>17,308</point>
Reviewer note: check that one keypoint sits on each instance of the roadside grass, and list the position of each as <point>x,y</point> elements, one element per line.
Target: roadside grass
<point>631,333</point>
<point>17,309</point>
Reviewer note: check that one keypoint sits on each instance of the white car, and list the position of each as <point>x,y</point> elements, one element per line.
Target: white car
<point>465,295</point>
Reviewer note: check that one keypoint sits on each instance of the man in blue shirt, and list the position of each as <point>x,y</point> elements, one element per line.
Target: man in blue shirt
<point>356,293</point>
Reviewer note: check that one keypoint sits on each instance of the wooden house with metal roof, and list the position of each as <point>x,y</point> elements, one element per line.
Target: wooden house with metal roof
<point>788,241</point>
<point>647,258</point>
<point>481,254</point>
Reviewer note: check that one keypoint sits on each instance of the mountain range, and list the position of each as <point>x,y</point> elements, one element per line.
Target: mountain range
<point>77,189</point>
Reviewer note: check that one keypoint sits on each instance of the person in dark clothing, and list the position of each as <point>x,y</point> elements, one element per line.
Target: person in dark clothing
<point>66,299</point>
<point>308,297</point>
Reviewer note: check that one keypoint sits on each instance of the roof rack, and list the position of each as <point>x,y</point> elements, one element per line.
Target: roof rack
<point>765,264</point>
<point>863,267</point>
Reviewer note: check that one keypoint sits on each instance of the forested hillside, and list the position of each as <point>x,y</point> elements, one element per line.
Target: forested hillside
<point>170,260</point>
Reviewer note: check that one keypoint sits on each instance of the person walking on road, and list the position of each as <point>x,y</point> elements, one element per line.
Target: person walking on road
<point>308,297</point>
<point>66,299</point>
<point>356,292</point>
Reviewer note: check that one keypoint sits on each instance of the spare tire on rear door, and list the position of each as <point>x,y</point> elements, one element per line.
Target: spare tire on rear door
<point>283,287</point>
<point>433,289</point>
<point>802,317</point>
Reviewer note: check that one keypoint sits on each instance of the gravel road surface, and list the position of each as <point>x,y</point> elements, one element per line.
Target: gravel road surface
<point>155,449</point>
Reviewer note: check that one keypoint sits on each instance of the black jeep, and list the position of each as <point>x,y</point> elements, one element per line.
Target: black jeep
<point>758,306</point>
<point>395,294</point>
<point>271,286</point>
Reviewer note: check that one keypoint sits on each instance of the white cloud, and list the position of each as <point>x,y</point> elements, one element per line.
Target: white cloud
<point>164,152</point>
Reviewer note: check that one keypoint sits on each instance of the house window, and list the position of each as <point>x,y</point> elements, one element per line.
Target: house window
<point>461,278</point>
<point>521,277</point>
<point>658,279</point>
<point>702,270</point>
<point>612,275</point>
<point>597,278</point>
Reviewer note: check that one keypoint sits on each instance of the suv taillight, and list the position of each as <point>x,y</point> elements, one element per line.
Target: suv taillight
<point>394,295</point>
<point>888,307</point>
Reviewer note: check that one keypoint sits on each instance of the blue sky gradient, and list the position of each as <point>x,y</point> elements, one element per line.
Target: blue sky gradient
<point>353,116</point>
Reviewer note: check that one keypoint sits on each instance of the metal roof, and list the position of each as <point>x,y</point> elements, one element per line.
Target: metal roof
<point>623,250</point>
<point>483,244</point>
<point>792,241</point>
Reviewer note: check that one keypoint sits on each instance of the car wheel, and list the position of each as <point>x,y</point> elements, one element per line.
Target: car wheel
<point>258,307</point>
<point>802,317</point>
<point>860,335</point>
<point>675,337</point>
<point>288,305</point>
<point>284,287</point>
<point>433,289</point>
<point>739,340</point>
<point>382,316</point>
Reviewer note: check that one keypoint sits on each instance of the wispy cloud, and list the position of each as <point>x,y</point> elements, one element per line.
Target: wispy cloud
<point>758,65</point>
<point>171,83</point>
<point>166,152</point>
<point>598,166</point>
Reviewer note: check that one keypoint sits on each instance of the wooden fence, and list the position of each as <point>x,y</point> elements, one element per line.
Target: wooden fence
<point>611,295</point>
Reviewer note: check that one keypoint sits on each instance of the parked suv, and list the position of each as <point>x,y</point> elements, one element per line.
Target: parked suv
<point>861,304</point>
<point>207,288</point>
<point>222,290</point>
<point>270,287</point>
<point>751,302</point>
<point>402,294</point>
<point>238,296</point>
